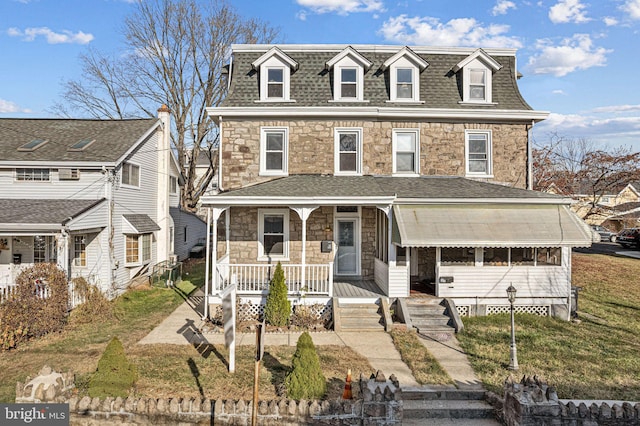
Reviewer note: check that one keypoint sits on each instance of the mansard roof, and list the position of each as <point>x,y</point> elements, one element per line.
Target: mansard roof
<point>312,84</point>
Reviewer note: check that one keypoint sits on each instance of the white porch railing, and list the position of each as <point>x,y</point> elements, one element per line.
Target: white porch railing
<point>43,292</point>
<point>255,278</point>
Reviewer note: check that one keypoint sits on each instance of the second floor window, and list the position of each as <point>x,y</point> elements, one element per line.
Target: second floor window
<point>173,185</point>
<point>131,174</point>
<point>477,85</point>
<point>275,83</point>
<point>404,83</point>
<point>348,151</point>
<point>405,150</point>
<point>273,150</point>
<point>33,175</point>
<point>478,147</point>
<point>348,83</point>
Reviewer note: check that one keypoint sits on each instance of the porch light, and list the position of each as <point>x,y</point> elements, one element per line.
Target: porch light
<point>513,361</point>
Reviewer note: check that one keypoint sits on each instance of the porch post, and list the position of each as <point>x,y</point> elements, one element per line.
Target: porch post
<point>212,252</point>
<point>304,213</point>
<point>206,266</point>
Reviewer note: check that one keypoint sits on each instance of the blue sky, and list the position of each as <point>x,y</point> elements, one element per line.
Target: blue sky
<point>578,57</point>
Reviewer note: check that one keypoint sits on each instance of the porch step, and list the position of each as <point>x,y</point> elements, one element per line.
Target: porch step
<point>359,317</point>
<point>446,404</point>
<point>430,316</point>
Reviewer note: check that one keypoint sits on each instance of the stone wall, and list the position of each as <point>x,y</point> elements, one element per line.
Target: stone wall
<point>311,149</point>
<point>532,402</point>
<point>378,404</point>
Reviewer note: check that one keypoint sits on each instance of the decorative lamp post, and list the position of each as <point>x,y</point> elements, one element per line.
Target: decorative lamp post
<point>513,363</point>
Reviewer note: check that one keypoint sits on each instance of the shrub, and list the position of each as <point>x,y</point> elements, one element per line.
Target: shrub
<point>305,380</point>
<point>96,307</point>
<point>278,308</point>
<point>115,375</point>
<point>26,314</point>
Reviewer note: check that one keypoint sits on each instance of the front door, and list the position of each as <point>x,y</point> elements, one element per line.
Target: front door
<point>348,255</point>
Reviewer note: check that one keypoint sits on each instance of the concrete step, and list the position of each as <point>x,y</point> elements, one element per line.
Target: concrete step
<point>447,409</point>
<point>451,422</point>
<point>446,393</point>
<point>360,317</point>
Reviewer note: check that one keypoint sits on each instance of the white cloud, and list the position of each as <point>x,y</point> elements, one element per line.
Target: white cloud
<point>610,21</point>
<point>632,7</point>
<point>456,32</point>
<point>575,53</point>
<point>342,7</point>
<point>30,34</point>
<point>568,11</point>
<point>617,109</point>
<point>502,7</point>
<point>558,92</point>
<point>302,15</point>
<point>8,106</point>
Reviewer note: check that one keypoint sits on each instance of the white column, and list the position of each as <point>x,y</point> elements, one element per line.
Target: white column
<point>212,254</point>
<point>206,267</point>
<point>304,213</point>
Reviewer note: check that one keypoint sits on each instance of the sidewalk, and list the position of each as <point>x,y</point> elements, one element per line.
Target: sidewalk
<point>183,327</point>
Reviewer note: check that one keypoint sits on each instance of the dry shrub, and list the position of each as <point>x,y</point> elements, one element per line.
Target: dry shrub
<point>304,317</point>
<point>26,314</point>
<point>96,307</point>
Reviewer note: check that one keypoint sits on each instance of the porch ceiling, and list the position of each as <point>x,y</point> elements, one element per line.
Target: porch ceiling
<point>488,226</point>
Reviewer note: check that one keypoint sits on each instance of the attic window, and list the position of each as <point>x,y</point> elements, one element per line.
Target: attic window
<point>33,145</point>
<point>81,145</point>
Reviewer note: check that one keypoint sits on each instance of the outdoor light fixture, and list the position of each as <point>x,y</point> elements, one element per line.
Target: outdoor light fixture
<point>513,362</point>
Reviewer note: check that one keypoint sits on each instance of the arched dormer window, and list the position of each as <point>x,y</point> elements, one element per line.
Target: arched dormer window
<point>348,75</point>
<point>477,77</point>
<point>274,68</point>
<point>404,75</point>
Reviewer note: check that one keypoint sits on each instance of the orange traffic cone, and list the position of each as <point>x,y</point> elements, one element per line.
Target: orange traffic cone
<point>347,387</point>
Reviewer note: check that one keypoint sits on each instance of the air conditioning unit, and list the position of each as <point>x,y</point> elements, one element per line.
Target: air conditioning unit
<point>69,174</point>
<point>173,259</point>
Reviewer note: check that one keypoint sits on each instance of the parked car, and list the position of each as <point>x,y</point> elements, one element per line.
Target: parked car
<point>629,237</point>
<point>605,234</point>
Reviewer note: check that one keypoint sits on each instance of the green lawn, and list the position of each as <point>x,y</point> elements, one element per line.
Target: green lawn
<point>595,358</point>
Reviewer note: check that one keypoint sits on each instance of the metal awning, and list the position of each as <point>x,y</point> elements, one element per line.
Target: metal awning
<point>486,225</point>
<point>138,224</point>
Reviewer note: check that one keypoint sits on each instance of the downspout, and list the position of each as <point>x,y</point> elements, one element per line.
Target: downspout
<point>529,157</point>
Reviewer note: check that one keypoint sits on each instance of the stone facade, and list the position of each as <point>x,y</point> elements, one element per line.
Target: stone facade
<point>311,149</point>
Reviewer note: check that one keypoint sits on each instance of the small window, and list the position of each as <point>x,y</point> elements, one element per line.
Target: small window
<point>549,256</point>
<point>173,184</point>
<point>79,250</point>
<point>39,249</point>
<point>404,83</point>
<point>478,145</point>
<point>348,83</point>
<point>477,85</point>
<point>137,249</point>
<point>406,153</point>
<point>275,83</point>
<point>33,175</point>
<point>401,256</point>
<point>273,151</point>
<point>457,256</point>
<point>146,247</point>
<point>32,145</point>
<point>131,174</point>
<point>522,256</point>
<point>132,249</point>
<point>348,147</point>
<point>81,145</point>
<point>496,257</point>
<point>274,234</point>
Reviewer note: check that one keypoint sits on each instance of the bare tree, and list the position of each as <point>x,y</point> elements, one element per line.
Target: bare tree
<point>175,51</point>
<point>575,167</point>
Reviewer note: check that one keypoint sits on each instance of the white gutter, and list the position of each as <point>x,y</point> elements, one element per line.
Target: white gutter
<point>208,201</point>
<point>365,48</point>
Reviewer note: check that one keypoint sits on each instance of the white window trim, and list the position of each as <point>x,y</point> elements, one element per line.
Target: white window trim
<point>140,260</point>
<point>15,175</point>
<point>466,85</point>
<point>416,159</point>
<point>489,173</point>
<point>337,83</point>
<point>127,185</point>
<point>86,253</point>
<point>336,151</point>
<point>263,151</point>
<point>268,212</point>
<point>415,80</point>
<point>264,83</point>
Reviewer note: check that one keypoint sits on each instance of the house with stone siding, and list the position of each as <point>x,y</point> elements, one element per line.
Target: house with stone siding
<point>384,174</point>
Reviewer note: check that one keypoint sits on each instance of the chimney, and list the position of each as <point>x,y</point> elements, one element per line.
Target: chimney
<point>164,168</point>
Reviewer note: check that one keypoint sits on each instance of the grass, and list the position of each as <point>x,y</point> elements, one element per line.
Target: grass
<point>423,365</point>
<point>595,358</point>
<point>165,370</point>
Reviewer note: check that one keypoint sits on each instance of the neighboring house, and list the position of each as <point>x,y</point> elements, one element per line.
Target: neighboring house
<point>385,172</point>
<point>94,196</point>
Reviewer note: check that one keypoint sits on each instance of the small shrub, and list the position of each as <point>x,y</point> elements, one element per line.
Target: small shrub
<point>304,317</point>
<point>278,308</point>
<point>115,375</point>
<point>26,315</point>
<point>305,380</point>
<point>95,308</point>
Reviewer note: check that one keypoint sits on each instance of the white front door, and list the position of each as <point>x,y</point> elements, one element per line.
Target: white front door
<point>348,243</point>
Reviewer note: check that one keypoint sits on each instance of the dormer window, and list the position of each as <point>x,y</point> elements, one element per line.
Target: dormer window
<point>348,68</point>
<point>404,75</point>
<point>477,76</point>
<point>274,75</point>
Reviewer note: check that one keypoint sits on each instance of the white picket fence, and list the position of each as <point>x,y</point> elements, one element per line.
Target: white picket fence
<point>43,292</point>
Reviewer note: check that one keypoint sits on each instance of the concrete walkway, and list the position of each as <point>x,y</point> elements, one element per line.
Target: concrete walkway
<point>184,325</point>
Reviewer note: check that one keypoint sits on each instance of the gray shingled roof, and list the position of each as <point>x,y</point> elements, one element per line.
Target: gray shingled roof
<point>42,211</point>
<point>112,138</point>
<point>142,223</point>
<point>312,85</point>
<point>424,187</point>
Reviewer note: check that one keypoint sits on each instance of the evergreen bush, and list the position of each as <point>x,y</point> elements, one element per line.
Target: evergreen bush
<point>278,308</point>
<point>115,375</point>
<point>305,380</point>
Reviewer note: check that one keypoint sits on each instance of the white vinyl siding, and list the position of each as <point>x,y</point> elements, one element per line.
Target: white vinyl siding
<point>90,185</point>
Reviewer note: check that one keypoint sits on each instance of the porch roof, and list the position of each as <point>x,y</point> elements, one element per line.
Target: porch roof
<point>488,226</point>
<point>40,215</point>
<point>140,224</point>
<point>371,190</point>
